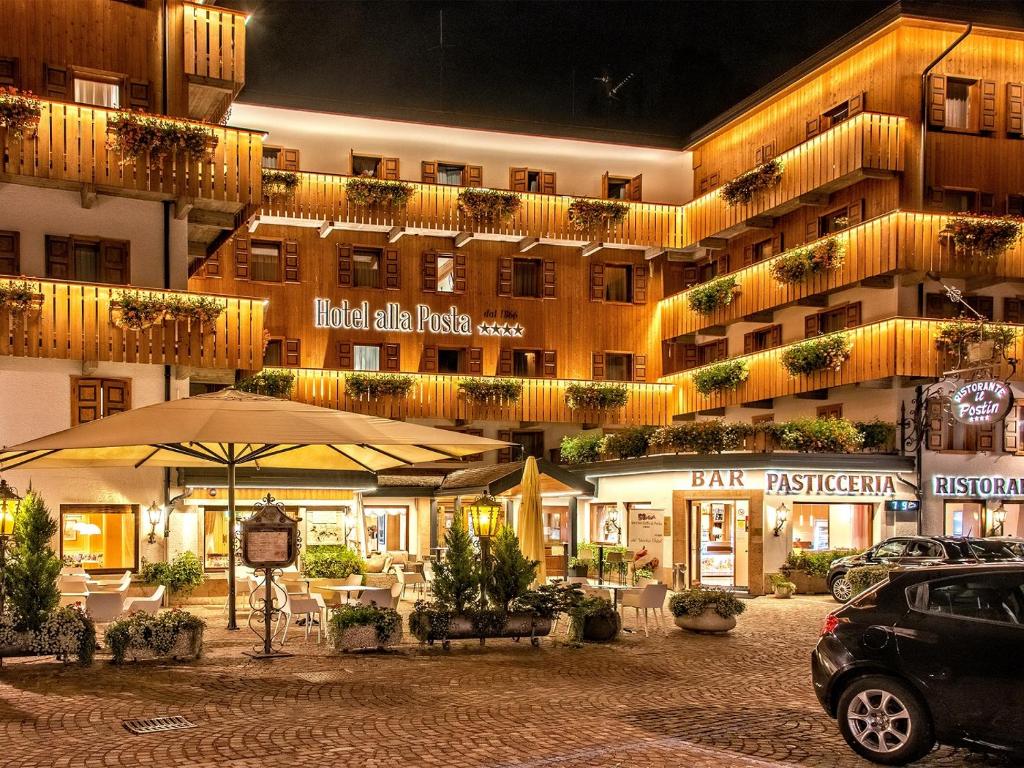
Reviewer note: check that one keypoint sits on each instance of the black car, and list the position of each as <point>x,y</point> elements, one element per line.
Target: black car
<point>929,655</point>
<point>909,551</point>
<point>1014,544</point>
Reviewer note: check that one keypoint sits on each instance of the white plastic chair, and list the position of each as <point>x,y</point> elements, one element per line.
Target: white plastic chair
<point>311,607</point>
<point>150,605</point>
<point>649,598</point>
<point>396,595</point>
<point>104,607</point>
<point>407,579</point>
<point>76,584</point>
<point>428,575</point>
<point>73,570</point>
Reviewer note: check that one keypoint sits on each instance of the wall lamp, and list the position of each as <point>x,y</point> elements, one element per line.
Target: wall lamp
<point>154,515</point>
<point>781,518</point>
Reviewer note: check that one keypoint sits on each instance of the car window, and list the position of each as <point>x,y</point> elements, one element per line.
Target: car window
<point>986,597</point>
<point>892,548</point>
<point>991,550</point>
<point>924,549</point>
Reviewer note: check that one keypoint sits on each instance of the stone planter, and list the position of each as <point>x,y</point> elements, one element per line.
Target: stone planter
<point>784,592</point>
<point>806,584</point>
<point>579,571</point>
<point>517,625</point>
<point>364,638</point>
<point>601,629</point>
<point>187,646</point>
<point>708,622</point>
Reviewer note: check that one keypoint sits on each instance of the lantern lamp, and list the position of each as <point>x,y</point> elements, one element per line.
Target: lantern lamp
<point>999,518</point>
<point>781,518</point>
<point>485,514</point>
<point>9,502</point>
<point>154,514</point>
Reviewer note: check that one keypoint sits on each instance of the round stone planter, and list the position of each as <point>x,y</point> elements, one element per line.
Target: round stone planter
<point>601,629</point>
<point>364,638</point>
<point>784,593</point>
<point>708,622</point>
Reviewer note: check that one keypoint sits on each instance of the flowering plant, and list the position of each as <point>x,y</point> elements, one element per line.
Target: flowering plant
<point>713,295</point>
<point>801,263</point>
<point>369,192</point>
<point>720,376</point>
<point>956,335</point>
<point>821,435</point>
<point>818,354</point>
<point>491,391</point>
<point>135,310</point>
<point>19,113</point>
<point>269,383</point>
<point>596,396</point>
<point>987,236</point>
<point>492,205</point>
<point>278,184</point>
<point>134,135</point>
<point>64,633</point>
<point>20,296</point>
<point>205,309</point>
<point>358,385</point>
<point>157,635</point>
<point>586,214</point>
<point>744,187</point>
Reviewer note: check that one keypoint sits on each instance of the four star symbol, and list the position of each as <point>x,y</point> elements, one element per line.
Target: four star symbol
<point>500,329</point>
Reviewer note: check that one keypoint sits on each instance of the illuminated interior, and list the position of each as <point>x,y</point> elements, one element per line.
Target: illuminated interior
<point>831,526</point>
<point>99,538</point>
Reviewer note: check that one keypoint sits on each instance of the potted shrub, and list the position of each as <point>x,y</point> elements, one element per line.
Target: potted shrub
<point>781,586</point>
<point>822,353</point>
<point>876,435</point>
<point>746,186</point>
<point>986,236</point>
<point>136,311</point>
<point>364,627</point>
<point>377,193</point>
<point>864,576</point>
<point>269,383</point>
<point>136,136</point>
<point>706,609</point>
<point>713,295</point>
<point>593,620</point>
<point>20,298</point>
<point>174,634</point>
<point>331,561</point>
<point>719,377</point>
<point>278,185</point>
<point>489,205</point>
<point>583,448</point>
<point>180,576</point>
<point>802,263</point>
<point>586,215</point>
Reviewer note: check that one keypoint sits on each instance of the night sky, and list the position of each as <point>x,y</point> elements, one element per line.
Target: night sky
<point>531,61</point>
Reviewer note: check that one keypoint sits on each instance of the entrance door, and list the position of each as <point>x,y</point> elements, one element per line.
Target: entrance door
<point>719,542</point>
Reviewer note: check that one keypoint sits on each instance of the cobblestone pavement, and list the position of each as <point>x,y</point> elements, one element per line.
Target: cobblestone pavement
<point>673,699</point>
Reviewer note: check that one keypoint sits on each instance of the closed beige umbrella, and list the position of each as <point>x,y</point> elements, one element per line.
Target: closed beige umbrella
<point>233,428</point>
<point>530,525</point>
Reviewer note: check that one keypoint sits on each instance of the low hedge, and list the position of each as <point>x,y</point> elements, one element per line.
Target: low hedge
<point>331,561</point>
<point>864,576</point>
<point>814,563</point>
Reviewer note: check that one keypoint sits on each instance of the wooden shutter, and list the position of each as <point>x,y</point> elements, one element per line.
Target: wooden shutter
<point>474,176</point>
<point>289,159</point>
<point>722,264</point>
<point>461,271</point>
<point>345,271</point>
<point>1011,310</point>
<point>1015,109</point>
<point>114,262</point>
<point>9,71</point>
<point>428,363</point>
<point>291,261</point>
<point>292,352</point>
<point>58,257</point>
<point>721,349</point>
<point>714,179</point>
<point>345,355</point>
<point>748,255</point>
<point>689,356</point>
<point>428,172</point>
<point>691,276</point>
<point>139,94</point>
<point>986,202</point>
<point>117,396</point>
<point>597,366</point>
<point>759,155</point>
<point>504,276</point>
<point>56,82</point>
<point>813,127</point>
<point>988,105</point>
<point>392,357</point>
<point>550,275</point>
<point>392,269</point>
<point>549,364</point>
<point>640,274</point>
<point>936,425</point>
<point>428,272</point>
<point>986,436</point>
<point>936,101</point>
<point>778,244</point>
<point>636,188</point>
<point>596,281</point>
<point>812,325</point>
<point>855,213</point>
<point>390,169</point>
<point>853,314</point>
<point>775,338</point>
<point>748,342</point>
<point>604,185</point>
<point>1011,430</point>
<point>639,367</point>
<point>10,252</point>
<point>211,267</point>
<point>548,183</point>
<point>935,305</point>
<point>519,179</point>
<point>242,258</point>
<point>476,360</point>
<point>86,397</point>
<point>505,362</point>
<point>505,454</point>
<point>856,104</point>
<point>697,159</point>
<point>812,230</point>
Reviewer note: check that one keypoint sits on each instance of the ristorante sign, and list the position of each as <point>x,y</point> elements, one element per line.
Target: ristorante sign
<point>393,318</point>
<point>981,402</point>
<point>781,483</point>
<point>978,487</point>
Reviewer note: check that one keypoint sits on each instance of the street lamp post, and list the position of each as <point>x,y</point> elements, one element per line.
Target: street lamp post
<point>9,503</point>
<point>484,513</point>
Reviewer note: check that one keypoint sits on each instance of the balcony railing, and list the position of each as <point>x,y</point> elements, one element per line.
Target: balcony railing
<point>436,396</point>
<point>214,43</point>
<point>897,242</point>
<point>69,150</point>
<point>868,144</point>
<point>75,322</point>
<point>434,208</point>
<point>881,350</point>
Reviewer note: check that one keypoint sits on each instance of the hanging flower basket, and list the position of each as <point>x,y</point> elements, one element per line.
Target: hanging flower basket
<point>136,311</point>
<point>489,205</point>
<point>986,236</point>
<point>713,295</point>
<point>720,376</point>
<point>279,185</point>
<point>596,397</point>
<point>823,353</point>
<point>376,193</point>
<point>19,113</point>
<point>370,386</point>
<point>801,264</point>
<point>586,215</point>
<point>747,186</point>
<point>136,136</point>
<point>20,298</point>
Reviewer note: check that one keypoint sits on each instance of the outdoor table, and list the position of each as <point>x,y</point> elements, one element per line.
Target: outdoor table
<point>380,593</point>
<point>615,587</point>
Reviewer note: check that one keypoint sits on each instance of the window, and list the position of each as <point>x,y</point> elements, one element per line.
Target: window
<point>448,173</point>
<point>531,442</point>
<point>618,366</point>
<point>964,518</point>
<point>365,268</point>
<point>265,261</point>
<point>387,528</point>
<point>527,278</point>
<point>939,306</point>
<point>831,526</point>
<point>618,188</point>
<point>712,351</point>
<point>272,354</point>
<point>764,249</point>
<point>100,538</point>
<point>925,549</point>
<point>837,114</point>
<point>958,200</point>
<point>270,157</point>
<point>1015,205</point>
<point>834,411</point>
<point>445,274</point>
<point>366,357</point>
<point>995,597</point>
<point>618,283</point>
<point>836,221</point>
<point>10,252</point>
<point>450,360</point>
<point>533,181</point>
<point>215,539</point>
<point>891,548</point>
<point>958,103</point>
<point>526,363</point>
<point>88,259</point>
<point>93,399</point>
<point>280,158</point>
<point>98,93</point>
<point>366,165</point>
<point>763,338</point>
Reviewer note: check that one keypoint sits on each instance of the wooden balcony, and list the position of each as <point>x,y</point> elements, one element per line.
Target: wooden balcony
<point>869,145</point>
<point>898,347</point>
<point>320,201</point>
<point>896,243</point>
<point>75,323</point>
<point>214,51</point>
<point>438,397</point>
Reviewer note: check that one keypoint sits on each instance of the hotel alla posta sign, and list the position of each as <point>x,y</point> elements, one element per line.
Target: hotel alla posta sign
<point>421,319</point>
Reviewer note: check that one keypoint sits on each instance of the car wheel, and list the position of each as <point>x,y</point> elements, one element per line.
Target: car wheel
<point>841,589</point>
<point>884,721</point>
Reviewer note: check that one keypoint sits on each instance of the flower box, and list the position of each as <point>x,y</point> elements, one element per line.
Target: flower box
<point>173,634</point>
<point>187,646</point>
<point>463,627</point>
<point>707,622</point>
<point>365,638</point>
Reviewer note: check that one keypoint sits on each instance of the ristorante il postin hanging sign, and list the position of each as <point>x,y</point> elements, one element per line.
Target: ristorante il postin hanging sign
<point>421,319</point>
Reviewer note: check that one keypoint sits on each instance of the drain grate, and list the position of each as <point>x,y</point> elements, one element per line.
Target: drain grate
<point>157,724</point>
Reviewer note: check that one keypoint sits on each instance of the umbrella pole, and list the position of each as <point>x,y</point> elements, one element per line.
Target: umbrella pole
<point>232,623</point>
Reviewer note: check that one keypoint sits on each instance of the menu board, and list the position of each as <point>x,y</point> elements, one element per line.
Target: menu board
<point>267,547</point>
<point>647,531</point>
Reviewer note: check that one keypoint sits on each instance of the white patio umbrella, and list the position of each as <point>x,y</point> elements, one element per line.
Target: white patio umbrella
<point>233,428</point>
